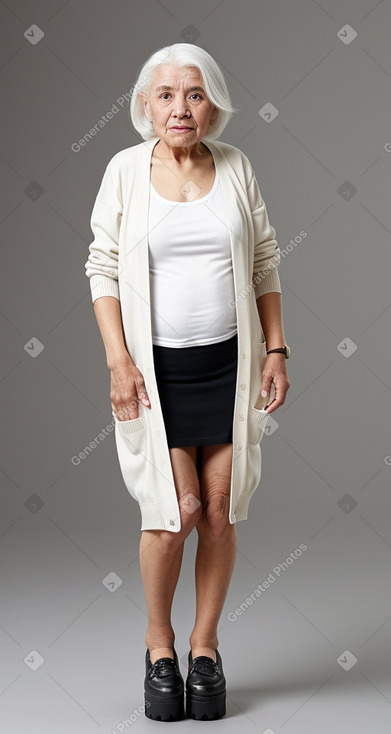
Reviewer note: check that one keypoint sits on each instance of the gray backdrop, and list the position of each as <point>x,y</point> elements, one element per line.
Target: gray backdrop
<point>311,653</point>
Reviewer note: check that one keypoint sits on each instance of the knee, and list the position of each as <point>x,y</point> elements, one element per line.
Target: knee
<point>215,511</point>
<point>191,510</point>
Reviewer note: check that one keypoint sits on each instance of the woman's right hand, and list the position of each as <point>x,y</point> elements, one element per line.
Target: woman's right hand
<point>127,389</point>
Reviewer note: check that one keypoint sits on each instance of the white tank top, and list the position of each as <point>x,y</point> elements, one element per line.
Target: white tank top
<point>190,270</point>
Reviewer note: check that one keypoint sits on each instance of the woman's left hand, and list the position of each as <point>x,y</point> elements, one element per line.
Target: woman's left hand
<point>275,371</point>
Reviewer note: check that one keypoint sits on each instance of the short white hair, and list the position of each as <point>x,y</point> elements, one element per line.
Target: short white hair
<point>183,54</point>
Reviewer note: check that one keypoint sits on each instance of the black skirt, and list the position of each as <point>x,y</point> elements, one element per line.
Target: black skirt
<point>197,387</point>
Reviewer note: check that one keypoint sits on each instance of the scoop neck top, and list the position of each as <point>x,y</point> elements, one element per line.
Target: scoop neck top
<point>187,203</point>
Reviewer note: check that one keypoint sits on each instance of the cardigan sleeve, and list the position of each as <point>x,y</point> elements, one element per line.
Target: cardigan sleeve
<point>102,264</point>
<point>267,254</point>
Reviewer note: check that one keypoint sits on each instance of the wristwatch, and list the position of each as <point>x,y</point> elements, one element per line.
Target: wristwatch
<point>282,350</point>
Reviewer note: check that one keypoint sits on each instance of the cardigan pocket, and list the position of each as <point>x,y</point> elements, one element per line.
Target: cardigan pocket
<point>257,424</point>
<point>133,432</point>
<point>132,445</point>
<point>258,416</point>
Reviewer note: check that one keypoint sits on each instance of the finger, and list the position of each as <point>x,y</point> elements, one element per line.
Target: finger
<point>127,411</point>
<point>132,408</point>
<point>265,384</point>
<point>278,397</point>
<point>143,396</point>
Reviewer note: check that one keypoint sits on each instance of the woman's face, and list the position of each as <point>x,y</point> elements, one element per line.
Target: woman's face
<point>173,101</point>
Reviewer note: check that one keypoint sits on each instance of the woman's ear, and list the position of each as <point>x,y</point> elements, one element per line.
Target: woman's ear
<point>145,104</point>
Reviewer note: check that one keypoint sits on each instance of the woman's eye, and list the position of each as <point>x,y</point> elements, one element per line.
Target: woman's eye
<point>166,94</point>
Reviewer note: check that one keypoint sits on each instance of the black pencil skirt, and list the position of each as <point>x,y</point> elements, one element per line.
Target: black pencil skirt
<point>197,388</point>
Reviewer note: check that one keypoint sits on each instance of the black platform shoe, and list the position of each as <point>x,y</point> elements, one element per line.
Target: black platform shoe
<point>205,688</point>
<point>163,689</point>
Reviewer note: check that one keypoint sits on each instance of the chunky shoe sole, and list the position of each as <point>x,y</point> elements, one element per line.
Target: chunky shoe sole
<point>160,709</point>
<point>201,703</point>
<point>205,708</point>
<point>167,704</point>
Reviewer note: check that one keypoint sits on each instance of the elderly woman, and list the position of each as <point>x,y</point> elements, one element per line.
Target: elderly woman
<point>186,293</point>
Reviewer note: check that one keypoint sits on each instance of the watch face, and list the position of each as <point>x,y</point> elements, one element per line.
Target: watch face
<point>288,351</point>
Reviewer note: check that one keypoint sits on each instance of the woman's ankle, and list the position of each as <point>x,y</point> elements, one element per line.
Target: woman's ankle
<point>206,642</point>
<point>160,652</point>
<point>161,646</point>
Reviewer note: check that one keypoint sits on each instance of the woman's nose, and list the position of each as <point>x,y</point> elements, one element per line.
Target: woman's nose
<point>180,107</point>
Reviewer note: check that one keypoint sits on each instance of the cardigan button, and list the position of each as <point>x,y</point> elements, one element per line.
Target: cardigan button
<point>241,417</point>
<point>243,386</point>
<point>239,446</point>
<point>243,355</point>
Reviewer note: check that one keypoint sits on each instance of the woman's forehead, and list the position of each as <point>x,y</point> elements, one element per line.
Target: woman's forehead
<point>170,75</point>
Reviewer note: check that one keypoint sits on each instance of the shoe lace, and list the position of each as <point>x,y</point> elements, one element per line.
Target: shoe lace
<point>205,665</point>
<point>162,665</point>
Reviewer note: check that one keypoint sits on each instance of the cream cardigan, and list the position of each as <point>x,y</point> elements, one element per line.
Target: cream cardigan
<point>118,265</point>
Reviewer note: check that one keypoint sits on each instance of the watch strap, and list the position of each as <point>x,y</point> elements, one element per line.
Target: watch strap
<point>280,350</point>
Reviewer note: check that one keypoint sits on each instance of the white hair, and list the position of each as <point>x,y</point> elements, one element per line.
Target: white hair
<point>183,54</point>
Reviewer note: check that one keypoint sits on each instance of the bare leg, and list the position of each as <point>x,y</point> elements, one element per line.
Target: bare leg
<point>160,567</point>
<point>161,555</point>
<point>217,548</point>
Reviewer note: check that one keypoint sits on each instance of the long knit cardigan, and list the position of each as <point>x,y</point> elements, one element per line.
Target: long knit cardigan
<point>118,265</point>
